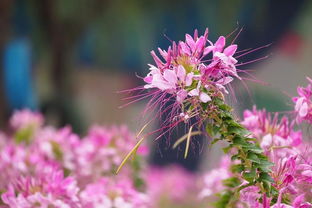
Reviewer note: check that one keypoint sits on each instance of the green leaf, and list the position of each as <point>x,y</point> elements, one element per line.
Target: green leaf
<point>263,165</point>
<point>225,107</point>
<point>231,182</point>
<point>249,176</point>
<point>227,149</point>
<point>224,199</point>
<point>265,177</point>
<point>253,148</point>
<point>234,129</point>
<point>235,157</point>
<point>214,141</point>
<point>57,150</point>
<point>238,168</point>
<point>212,129</point>
<point>240,141</point>
<point>253,157</point>
<point>24,135</point>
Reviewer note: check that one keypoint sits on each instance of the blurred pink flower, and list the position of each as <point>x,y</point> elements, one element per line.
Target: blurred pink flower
<point>213,180</point>
<point>48,188</point>
<point>303,103</point>
<point>162,182</point>
<point>108,193</point>
<point>25,119</point>
<point>276,136</point>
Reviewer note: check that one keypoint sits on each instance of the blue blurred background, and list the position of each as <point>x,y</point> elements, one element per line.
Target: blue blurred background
<point>67,58</point>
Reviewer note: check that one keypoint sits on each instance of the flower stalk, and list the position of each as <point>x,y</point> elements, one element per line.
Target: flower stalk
<point>251,165</point>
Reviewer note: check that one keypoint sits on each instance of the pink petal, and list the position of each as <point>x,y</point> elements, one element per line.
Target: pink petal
<point>299,102</point>
<point>181,73</point>
<point>200,43</point>
<point>303,110</point>
<point>181,95</point>
<point>266,141</point>
<point>158,62</point>
<point>185,49</point>
<point>219,45</point>
<point>207,50</point>
<point>225,80</point>
<point>307,173</point>
<point>229,51</point>
<point>189,40</point>
<point>163,53</point>
<point>189,79</point>
<point>194,92</point>
<point>298,200</point>
<point>204,97</point>
<point>170,76</point>
<point>148,79</point>
<point>160,83</point>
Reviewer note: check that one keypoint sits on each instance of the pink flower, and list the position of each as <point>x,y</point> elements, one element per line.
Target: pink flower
<point>25,118</point>
<point>223,63</point>
<point>249,197</point>
<point>48,188</point>
<point>110,194</point>
<point>102,150</point>
<point>276,136</point>
<point>184,66</point>
<point>303,103</point>
<point>213,180</point>
<point>161,183</point>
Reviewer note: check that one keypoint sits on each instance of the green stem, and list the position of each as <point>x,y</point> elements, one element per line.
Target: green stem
<point>254,166</point>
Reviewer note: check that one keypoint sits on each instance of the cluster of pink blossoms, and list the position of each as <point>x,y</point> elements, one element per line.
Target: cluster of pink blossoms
<point>46,167</point>
<point>303,103</point>
<point>186,74</point>
<point>291,172</point>
<point>42,166</point>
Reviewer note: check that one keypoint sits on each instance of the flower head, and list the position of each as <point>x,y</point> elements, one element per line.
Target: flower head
<point>102,150</point>
<point>303,103</point>
<point>109,193</point>
<point>274,134</point>
<point>186,75</point>
<point>25,119</point>
<point>48,188</point>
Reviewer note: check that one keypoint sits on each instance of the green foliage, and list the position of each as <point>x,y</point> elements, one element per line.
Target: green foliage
<point>212,130</point>
<point>237,168</point>
<point>232,182</point>
<point>224,199</point>
<point>254,166</point>
<point>24,135</point>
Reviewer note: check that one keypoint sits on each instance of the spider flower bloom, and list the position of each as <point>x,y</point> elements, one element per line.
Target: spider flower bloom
<point>303,103</point>
<point>25,124</point>
<point>102,150</point>
<point>273,134</point>
<point>213,180</point>
<point>107,192</point>
<point>161,181</point>
<point>188,78</point>
<point>25,119</point>
<point>186,75</point>
<point>48,188</point>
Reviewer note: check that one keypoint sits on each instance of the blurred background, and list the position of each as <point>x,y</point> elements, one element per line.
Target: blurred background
<point>68,58</point>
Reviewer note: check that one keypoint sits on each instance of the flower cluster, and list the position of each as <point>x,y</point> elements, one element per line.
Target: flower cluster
<point>274,134</point>
<point>172,187</point>
<point>303,103</point>
<point>267,164</point>
<point>46,167</point>
<point>193,71</point>
<point>291,171</point>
